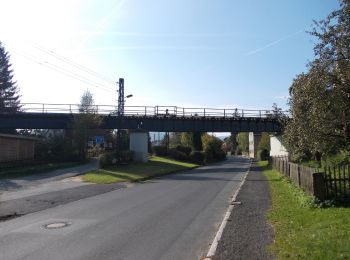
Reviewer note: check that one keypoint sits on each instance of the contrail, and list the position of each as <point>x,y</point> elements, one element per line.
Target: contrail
<point>273,43</point>
<point>152,47</point>
<point>100,24</point>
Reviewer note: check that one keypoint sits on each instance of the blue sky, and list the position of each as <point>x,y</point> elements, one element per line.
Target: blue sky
<point>192,53</point>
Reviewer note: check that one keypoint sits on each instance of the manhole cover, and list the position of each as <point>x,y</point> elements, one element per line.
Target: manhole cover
<point>57,225</point>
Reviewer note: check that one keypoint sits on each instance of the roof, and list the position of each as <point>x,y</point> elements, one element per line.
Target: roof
<point>19,137</point>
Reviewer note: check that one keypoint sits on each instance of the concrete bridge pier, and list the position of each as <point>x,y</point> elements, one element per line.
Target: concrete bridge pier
<point>139,145</point>
<point>254,140</point>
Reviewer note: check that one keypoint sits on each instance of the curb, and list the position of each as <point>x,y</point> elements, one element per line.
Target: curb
<point>214,244</point>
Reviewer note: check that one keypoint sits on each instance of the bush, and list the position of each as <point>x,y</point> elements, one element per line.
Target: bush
<point>340,158</point>
<point>212,147</point>
<point>184,149</point>
<point>124,156</point>
<point>160,150</point>
<point>263,155</point>
<point>238,151</point>
<point>177,155</point>
<point>197,157</point>
<point>208,157</point>
<point>106,159</point>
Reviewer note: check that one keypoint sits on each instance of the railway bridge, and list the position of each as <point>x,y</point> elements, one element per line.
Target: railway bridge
<point>142,119</point>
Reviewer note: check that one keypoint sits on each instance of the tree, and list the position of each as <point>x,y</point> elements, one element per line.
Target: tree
<point>231,142</point>
<point>9,98</point>
<point>193,140</point>
<point>186,139</point>
<point>85,124</point>
<point>175,139</point>
<point>197,141</point>
<point>264,143</point>
<point>212,148</point>
<point>320,98</point>
<point>243,142</point>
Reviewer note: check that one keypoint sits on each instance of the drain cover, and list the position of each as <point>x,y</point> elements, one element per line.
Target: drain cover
<point>57,225</point>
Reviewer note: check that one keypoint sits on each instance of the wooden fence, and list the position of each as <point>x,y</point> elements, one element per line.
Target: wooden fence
<point>333,183</point>
<point>309,179</point>
<point>337,181</point>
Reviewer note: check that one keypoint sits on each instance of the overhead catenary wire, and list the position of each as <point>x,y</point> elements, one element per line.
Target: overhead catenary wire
<point>65,72</point>
<point>74,64</point>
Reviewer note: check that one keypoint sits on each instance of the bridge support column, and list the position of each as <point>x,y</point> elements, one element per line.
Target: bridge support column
<point>234,143</point>
<point>139,145</point>
<point>254,140</point>
<point>276,146</point>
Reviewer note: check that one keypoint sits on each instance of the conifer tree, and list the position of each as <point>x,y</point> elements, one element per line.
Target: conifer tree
<point>9,97</point>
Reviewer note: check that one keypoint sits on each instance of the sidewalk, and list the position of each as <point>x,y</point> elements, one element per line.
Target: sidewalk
<point>247,234</point>
<point>42,183</point>
<point>38,192</point>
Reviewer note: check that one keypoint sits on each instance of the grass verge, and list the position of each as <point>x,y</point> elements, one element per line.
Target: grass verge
<point>22,171</point>
<point>137,171</point>
<point>302,229</point>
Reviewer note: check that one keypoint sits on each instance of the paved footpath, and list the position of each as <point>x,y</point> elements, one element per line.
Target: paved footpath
<point>33,193</point>
<point>247,234</point>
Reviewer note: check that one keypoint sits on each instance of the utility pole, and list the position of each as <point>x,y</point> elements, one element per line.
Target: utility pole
<point>120,113</point>
<point>121,98</point>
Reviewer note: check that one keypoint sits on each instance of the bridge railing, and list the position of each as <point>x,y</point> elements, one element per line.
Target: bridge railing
<point>167,111</point>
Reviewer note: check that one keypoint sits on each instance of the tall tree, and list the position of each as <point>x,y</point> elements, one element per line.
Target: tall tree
<point>243,141</point>
<point>9,97</point>
<point>175,138</point>
<point>264,143</point>
<point>85,124</point>
<point>320,98</point>
<point>197,141</point>
<point>186,139</point>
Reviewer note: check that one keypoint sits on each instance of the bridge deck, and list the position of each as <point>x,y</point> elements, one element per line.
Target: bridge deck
<point>158,118</point>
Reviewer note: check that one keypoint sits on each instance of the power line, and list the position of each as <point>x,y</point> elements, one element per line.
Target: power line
<point>72,63</point>
<point>65,72</point>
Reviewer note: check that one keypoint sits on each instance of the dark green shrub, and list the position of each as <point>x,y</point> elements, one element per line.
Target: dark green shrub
<point>107,159</point>
<point>336,159</point>
<point>263,155</point>
<point>208,157</point>
<point>160,150</point>
<point>124,156</point>
<point>177,155</point>
<point>238,151</point>
<point>220,155</point>
<point>184,149</point>
<point>197,157</point>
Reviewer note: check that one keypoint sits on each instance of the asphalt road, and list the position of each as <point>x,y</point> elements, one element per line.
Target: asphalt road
<point>172,217</point>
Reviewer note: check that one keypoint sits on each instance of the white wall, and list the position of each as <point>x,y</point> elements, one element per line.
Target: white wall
<point>139,146</point>
<point>277,149</point>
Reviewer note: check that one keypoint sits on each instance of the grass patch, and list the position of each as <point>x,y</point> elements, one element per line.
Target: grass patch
<point>22,171</point>
<point>303,230</point>
<point>137,171</point>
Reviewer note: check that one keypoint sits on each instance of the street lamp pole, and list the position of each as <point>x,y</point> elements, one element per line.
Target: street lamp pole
<point>121,103</point>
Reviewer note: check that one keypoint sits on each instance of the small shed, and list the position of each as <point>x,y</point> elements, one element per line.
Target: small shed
<point>16,148</point>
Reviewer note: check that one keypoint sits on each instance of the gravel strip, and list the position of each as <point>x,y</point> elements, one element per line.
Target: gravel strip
<point>247,234</point>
